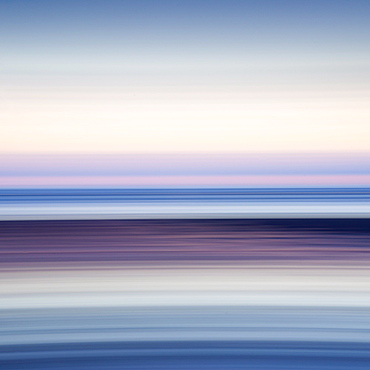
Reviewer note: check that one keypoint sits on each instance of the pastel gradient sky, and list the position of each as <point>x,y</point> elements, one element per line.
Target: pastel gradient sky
<point>197,80</point>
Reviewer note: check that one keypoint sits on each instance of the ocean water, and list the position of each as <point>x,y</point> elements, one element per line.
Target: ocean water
<point>185,279</point>
<point>183,203</point>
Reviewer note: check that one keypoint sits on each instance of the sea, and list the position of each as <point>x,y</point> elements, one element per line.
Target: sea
<point>176,279</point>
<point>183,203</point>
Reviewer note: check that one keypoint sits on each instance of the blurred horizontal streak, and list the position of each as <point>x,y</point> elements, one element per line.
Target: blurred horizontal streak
<point>125,212</point>
<point>182,355</point>
<point>215,324</point>
<point>127,241</point>
<point>75,204</point>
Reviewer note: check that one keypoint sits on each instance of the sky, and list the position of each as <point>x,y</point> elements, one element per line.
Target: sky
<point>196,80</point>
